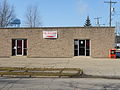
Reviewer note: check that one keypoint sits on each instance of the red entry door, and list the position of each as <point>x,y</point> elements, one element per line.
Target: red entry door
<point>19,47</point>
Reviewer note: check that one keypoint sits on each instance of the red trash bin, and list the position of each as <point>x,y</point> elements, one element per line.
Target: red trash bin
<point>112,53</point>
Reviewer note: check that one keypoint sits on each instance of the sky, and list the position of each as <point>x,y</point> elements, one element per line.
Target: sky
<point>68,13</point>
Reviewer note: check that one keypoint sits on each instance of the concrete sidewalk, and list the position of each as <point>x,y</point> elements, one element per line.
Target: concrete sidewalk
<point>90,66</point>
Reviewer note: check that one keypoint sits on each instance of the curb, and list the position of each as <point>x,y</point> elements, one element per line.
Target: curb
<point>79,76</point>
<point>99,76</point>
<point>40,72</point>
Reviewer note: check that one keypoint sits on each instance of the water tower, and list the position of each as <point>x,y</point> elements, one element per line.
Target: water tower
<point>15,23</point>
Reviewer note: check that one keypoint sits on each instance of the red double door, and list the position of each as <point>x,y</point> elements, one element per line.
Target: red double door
<point>19,47</point>
<point>81,47</point>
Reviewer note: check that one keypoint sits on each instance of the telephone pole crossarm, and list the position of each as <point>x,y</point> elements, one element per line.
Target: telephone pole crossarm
<point>110,3</point>
<point>98,20</point>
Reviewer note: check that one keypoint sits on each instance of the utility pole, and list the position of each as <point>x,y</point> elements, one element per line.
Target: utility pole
<point>110,3</point>
<point>98,21</point>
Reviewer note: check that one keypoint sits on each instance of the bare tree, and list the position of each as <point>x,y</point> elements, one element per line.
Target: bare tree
<point>6,13</point>
<point>32,17</point>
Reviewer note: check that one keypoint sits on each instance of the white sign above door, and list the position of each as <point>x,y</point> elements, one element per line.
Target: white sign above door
<point>49,34</point>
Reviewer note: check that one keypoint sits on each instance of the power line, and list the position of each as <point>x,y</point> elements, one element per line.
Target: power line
<point>110,17</point>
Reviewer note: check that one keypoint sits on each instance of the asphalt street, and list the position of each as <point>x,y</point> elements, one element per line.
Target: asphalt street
<point>58,84</point>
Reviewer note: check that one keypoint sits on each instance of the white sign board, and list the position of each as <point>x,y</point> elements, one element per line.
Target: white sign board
<point>49,34</point>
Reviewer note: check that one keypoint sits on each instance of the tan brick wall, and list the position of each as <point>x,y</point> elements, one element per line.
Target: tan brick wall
<point>60,47</point>
<point>102,39</point>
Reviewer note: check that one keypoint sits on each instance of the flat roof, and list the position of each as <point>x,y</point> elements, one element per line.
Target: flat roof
<point>51,27</point>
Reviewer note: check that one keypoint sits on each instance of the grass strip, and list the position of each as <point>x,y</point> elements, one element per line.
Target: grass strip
<point>37,74</point>
<point>40,71</point>
<point>37,69</point>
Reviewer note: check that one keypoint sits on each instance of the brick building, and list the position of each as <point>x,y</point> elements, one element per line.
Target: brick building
<point>56,41</point>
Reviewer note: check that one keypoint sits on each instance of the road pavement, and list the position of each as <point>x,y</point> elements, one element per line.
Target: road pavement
<point>58,84</point>
<point>90,66</point>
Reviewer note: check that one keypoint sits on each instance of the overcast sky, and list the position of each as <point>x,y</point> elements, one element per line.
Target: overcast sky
<point>68,12</point>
